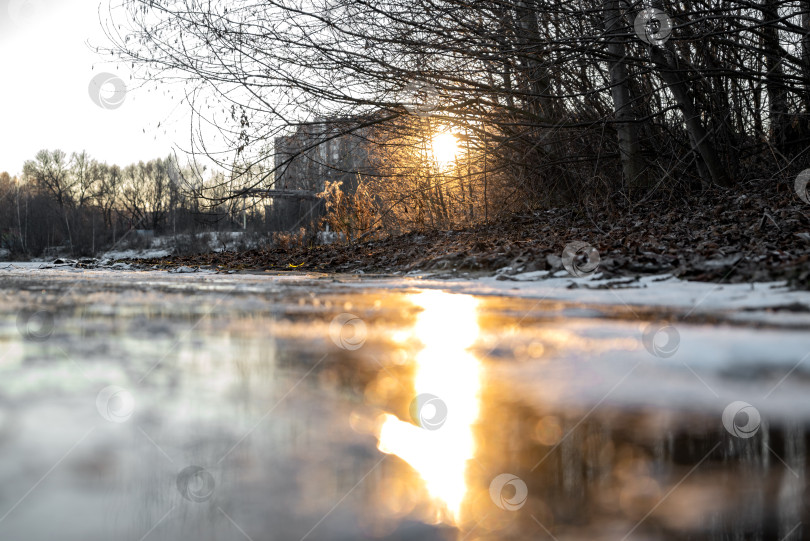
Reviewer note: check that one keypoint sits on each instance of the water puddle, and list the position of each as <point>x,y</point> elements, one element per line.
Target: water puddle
<point>292,409</point>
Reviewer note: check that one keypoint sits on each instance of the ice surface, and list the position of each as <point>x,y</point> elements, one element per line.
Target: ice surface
<point>244,376</point>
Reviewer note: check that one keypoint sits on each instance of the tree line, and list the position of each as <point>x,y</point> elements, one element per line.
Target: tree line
<point>84,206</point>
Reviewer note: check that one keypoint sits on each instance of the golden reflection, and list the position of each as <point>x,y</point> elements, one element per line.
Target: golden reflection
<point>447,327</point>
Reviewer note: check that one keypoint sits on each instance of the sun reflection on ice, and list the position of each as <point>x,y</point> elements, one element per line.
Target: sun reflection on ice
<point>447,327</point>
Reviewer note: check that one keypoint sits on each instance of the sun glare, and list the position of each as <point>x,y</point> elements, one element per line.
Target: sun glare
<point>445,148</point>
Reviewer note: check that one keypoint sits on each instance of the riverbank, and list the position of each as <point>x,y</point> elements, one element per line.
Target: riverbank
<point>760,233</point>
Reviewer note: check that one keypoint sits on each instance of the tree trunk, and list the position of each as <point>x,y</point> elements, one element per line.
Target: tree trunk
<point>633,164</point>
<point>774,76</point>
<point>537,76</point>
<point>805,8</point>
<point>711,169</point>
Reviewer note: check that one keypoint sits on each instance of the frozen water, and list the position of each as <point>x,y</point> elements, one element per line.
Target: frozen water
<point>175,406</point>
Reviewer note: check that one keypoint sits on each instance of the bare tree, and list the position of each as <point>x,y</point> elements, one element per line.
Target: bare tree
<point>552,95</point>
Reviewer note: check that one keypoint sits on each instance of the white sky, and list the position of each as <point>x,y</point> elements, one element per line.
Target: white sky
<point>45,73</point>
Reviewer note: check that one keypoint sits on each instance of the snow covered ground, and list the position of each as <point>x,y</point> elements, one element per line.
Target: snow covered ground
<point>649,291</point>
<point>771,303</point>
<point>160,246</point>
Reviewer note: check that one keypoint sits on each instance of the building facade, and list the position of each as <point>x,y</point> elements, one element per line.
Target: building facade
<point>306,160</point>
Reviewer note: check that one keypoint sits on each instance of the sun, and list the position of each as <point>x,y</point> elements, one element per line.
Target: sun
<point>445,148</point>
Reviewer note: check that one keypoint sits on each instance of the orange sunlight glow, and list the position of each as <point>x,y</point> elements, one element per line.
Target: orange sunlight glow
<point>447,327</point>
<point>445,148</point>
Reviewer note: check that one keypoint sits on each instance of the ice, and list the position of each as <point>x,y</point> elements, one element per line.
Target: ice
<point>602,396</point>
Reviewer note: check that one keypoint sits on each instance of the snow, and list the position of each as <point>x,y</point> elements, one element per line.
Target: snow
<point>742,301</point>
<point>183,270</point>
<point>750,303</point>
<point>149,253</point>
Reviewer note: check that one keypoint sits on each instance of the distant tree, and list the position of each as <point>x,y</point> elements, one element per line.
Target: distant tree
<point>50,172</point>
